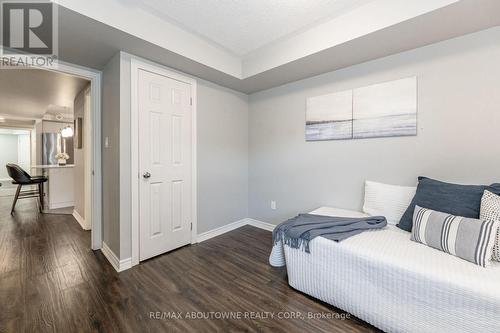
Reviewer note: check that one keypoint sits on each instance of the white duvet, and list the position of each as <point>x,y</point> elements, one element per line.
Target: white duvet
<point>397,285</point>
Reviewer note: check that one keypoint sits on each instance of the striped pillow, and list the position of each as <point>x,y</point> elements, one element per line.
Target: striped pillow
<point>466,238</point>
<point>490,210</point>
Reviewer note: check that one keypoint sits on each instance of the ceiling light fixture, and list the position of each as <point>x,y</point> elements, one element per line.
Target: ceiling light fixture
<point>67,132</point>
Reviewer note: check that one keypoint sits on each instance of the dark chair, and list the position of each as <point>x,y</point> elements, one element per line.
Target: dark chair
<point>22,178</point>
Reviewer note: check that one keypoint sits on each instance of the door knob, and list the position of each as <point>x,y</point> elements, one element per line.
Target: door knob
<point>146,175</point>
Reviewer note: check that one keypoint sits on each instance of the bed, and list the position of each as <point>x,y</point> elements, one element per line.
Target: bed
<point>397,285</point>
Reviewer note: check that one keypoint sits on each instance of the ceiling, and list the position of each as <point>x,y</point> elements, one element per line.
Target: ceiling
<point>243,26</point>
<point>27,94</point>
<point>86,41</point>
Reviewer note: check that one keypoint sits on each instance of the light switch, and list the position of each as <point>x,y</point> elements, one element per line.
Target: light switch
<point>273,205</point>
<point>106,142</point>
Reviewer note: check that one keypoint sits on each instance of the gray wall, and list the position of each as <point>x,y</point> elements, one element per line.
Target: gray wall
<point>458,130</point>
<point>222,156</point>
<point>111,155</point>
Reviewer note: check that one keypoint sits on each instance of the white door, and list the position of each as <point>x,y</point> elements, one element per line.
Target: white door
<point>165,163</point>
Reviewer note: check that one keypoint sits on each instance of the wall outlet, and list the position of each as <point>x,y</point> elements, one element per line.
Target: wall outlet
<point>273,205</point>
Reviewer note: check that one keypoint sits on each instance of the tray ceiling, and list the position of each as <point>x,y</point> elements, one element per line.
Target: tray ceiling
<point>242,26</point>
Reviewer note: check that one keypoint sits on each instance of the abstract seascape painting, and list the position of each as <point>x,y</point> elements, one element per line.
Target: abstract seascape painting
<point>385,109</point>
<point>329,117</point>
<point>381,110</point>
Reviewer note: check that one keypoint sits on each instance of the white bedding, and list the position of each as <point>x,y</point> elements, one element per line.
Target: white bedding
<point>397,285</point>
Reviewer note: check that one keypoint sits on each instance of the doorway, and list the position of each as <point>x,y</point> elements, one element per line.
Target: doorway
<point>58,141</point>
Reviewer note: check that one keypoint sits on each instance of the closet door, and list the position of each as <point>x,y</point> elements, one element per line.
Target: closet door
<point>165,163</point>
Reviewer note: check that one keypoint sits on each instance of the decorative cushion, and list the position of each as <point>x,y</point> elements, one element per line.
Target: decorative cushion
<point>466,238</point>
<point>460,200</point>
<point>490,211</point>
<point>386,200</point>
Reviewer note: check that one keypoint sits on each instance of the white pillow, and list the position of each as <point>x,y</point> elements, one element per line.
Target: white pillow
<point>386,200</point>
<point>330,211</point>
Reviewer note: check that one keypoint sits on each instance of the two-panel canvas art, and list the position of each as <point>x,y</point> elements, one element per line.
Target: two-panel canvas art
<point>380,110</point>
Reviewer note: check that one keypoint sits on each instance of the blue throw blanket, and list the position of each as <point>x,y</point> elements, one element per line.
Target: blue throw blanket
<point>300,230</point>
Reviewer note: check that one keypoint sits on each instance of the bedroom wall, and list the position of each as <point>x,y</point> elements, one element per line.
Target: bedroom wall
<point>458,118</point>
<point>222,156</point>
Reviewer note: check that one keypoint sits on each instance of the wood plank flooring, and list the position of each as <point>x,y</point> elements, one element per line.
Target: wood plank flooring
<point>50,281</point>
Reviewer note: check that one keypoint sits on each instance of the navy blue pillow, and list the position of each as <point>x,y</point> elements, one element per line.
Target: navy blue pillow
<point>458,200</point>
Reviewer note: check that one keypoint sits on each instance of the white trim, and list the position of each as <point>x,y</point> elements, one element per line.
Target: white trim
<point>95,171</point>
<point>261,225</point>
<point>194,160</point>
<point>118,265</point>
<point>222,230</point>
<point>135,65</point>
<point>65,204</point>
<point>80,220</point>
<point>127,263</point>
<point>87,150</point>
<point>232,226</point>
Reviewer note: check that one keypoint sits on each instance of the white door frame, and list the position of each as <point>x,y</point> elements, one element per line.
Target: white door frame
<point>137,65</point>
<point>94,173</point>
<point>87,142</point>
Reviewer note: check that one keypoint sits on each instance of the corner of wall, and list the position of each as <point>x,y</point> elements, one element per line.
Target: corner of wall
<point>125,157</point>
<point>111,153</point>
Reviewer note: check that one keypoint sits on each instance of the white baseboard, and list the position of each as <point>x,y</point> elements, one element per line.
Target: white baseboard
<point>61,205</point>
<point>261,225</point>
<point>118,265</point>
<point>80,220</point>
<point>222,230</point>
<point>121,265</point>
<point>235,225</point>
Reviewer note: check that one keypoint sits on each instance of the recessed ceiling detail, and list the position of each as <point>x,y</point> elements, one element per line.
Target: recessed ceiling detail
<point>242,26</point>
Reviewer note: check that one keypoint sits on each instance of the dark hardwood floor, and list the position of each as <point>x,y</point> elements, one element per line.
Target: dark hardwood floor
<point>50,281</point>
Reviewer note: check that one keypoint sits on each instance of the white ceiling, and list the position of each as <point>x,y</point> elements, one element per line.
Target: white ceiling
<point>243,26</point>
<point>30,93</point>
